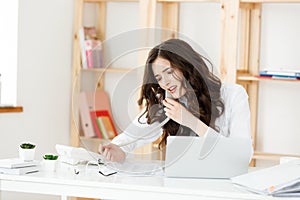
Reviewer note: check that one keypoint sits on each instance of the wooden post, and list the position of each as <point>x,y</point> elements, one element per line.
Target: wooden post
<point>254,54</point>
<point>170,20</point>
<point>76,65</point>
<point>249,57</point>
<point>101,31</point>
<point>229,35</point>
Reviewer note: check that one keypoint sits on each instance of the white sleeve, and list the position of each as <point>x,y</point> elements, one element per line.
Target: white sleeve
<point>239,120</point>
<point>136,139</point>
<point>238,117</point>
<point>235,121</point>
<point>239,125</point>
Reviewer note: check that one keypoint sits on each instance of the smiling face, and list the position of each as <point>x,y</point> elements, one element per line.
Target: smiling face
<point>168,78</point>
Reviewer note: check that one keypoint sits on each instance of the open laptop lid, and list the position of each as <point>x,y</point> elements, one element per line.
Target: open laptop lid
<point>212,156</point>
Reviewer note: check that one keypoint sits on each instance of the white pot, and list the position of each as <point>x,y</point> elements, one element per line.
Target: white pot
<point>49,165</point>
<point>26,154</point>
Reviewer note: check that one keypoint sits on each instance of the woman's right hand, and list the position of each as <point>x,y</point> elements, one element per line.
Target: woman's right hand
<point>112,152</point>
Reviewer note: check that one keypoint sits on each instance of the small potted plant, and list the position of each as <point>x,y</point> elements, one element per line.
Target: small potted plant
<point>50,162</point>
<point>27,151</point>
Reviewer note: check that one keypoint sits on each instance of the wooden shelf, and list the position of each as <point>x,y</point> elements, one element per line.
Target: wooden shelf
<point>187,1</point>
<point>94,139</point>
<point>256,78</point>
<point>98,1</point>
<point>270,1</point>
<point>121,70</point>
<point>11,109</point>
<point>271,156</point>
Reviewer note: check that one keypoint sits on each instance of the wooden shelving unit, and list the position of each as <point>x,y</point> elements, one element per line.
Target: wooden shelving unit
<point>249,46</point>
<point>77,70</point>
<point>240,27</point>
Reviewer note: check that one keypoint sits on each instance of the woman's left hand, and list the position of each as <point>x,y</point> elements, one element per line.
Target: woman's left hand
<point>178,113</point>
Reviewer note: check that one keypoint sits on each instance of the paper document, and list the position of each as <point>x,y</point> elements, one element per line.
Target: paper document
<point>280,180</point>
<point>137,168</point>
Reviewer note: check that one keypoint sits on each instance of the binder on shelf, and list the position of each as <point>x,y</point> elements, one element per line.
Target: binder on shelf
<point>98,100</point>
<point>289,74</point>
<point>94,105</point>
<point>85,117</point>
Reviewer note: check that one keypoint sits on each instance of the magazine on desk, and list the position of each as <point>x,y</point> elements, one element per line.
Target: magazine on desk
<point>280,180</point>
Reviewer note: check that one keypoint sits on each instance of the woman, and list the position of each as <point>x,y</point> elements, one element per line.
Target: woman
<point>199,103</point>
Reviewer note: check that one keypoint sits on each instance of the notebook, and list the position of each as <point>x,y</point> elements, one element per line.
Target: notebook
<point>19,171</point>
<point>16,162</point>
<point>211,156</point>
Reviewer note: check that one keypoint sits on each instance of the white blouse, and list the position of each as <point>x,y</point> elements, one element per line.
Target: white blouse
<point>234,122</point>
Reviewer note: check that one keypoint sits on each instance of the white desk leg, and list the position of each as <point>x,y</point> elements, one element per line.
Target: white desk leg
<point>64,197</point>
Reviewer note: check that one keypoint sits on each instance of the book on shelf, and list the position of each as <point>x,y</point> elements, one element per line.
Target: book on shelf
<point>107,123</point>
<point>101,127</point>
<point>89,55</point>
<point>90,33</point>
<point>94,53</point>
<point>82,48</point>
<point>103,124</point>
<point>288,74</point>
<point>19,171</point>
<point>96,126</point>
<point>91,48</point>
<point>281,180</point>
<point>85,118</point>
<point>11,163</point>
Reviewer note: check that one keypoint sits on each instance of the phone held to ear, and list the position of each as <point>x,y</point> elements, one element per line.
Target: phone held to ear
<point>168,95</point>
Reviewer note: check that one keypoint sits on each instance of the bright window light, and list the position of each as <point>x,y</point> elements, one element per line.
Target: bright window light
<point>8,51</point>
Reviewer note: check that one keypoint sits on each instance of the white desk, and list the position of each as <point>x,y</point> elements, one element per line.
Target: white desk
<point>94,185</point>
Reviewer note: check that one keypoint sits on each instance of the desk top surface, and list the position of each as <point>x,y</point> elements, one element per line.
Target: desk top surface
<point>156,183</point>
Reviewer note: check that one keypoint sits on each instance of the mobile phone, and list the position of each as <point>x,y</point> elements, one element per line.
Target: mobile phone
<point>168,95</point>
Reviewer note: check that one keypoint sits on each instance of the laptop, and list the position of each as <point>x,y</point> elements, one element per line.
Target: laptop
<point>207,157</point>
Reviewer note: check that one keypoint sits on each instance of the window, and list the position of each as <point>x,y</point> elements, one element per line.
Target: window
<point>8,51</point>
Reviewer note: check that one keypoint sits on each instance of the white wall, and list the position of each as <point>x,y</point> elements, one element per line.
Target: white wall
<point>44,81</point>
<point>278,121</point>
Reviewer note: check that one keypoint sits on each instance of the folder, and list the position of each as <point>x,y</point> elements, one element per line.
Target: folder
<point>85,118</point>
<point>280,180</point>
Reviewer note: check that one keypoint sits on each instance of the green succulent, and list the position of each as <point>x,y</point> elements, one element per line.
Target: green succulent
<point>27,146</point>
<point>50,157</point>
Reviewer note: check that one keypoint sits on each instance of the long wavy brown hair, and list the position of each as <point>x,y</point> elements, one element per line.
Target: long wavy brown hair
<point>201,85</point>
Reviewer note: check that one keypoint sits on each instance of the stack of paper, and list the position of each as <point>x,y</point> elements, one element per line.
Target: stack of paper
<point>280,180</point>
<point>17,166</point>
